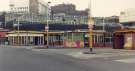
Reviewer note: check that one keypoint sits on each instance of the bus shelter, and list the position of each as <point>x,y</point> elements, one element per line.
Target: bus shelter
<point>35,38</point>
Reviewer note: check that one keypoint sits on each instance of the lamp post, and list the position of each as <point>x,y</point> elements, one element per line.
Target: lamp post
<point>18,28</point>
<point>47,27</point>
<point>90,30</point>
<point>90,27</point>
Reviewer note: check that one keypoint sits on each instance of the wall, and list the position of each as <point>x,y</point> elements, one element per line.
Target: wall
<point>127,16</point>
<point>33,4</point>
<point>19,5</point>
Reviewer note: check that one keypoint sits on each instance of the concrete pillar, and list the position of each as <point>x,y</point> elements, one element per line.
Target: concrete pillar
<point>43,40</point>
<point>24,40</point>
<point>110,38</point>
<point>27,40</point>
<point>31,38</point>
<point>63,39</point>
<point>40,40</point>
<point>21,40</point>
<point>52,40</point>
<point>97,38</point>
<point>9,40</point>
<point>13,40</point>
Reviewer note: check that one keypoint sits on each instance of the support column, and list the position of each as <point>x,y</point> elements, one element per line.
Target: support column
<point>72,37</point>
<point>110,38</point>
<point>40,40</point>
<point>31,42</point>
<point>9,40</point>
<point>63,40</point>
<point>97,38</point>
<point>13,40</point>
<point>26,40</point>
<point>43,40</point>
<point>52,39</point>
<point>20,40</point>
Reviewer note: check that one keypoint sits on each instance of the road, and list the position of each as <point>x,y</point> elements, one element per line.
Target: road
<point>16,59</point>
<point>20,59</point>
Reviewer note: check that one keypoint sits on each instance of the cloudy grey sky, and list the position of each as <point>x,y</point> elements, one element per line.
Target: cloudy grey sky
<point>99,7</point>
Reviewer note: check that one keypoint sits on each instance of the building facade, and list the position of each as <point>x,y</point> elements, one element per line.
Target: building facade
<point>2,19</point>
<point>67,13</point>
<point>29,6</point>
<point>69,19</point>
<point>127,18</point>
<point>68,9</point>
<point>26,11</point>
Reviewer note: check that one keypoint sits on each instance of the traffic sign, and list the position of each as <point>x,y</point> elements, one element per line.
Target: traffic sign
<point>46,28</point>
<point>90,26</point>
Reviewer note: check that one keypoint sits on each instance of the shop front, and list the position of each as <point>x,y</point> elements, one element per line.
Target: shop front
<point>124,39</point>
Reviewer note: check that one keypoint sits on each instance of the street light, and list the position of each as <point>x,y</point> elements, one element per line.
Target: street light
<point>47,27</point>
<point>90,30</point>
<point>18,27</point>
<point>90,27</point>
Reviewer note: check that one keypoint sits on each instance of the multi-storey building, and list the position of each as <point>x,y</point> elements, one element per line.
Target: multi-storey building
<point>29,11</point>
<point>67,13</point>
<point>127,18</point>
<point>29,6</point>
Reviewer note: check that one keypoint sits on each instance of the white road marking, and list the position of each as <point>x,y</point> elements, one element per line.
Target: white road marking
<point>129,60</point>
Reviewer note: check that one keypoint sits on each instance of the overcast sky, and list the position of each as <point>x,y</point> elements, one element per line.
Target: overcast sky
<point>99,7</point>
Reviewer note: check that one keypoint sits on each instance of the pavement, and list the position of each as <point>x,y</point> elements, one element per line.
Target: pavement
<point>105,59</point>
<point>99,52</point>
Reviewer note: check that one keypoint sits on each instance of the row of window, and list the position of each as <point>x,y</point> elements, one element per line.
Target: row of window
<point>25,9</point>
<point>21,8</point>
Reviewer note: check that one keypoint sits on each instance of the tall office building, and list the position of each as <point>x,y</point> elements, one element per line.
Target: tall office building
<point>29,6</point>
